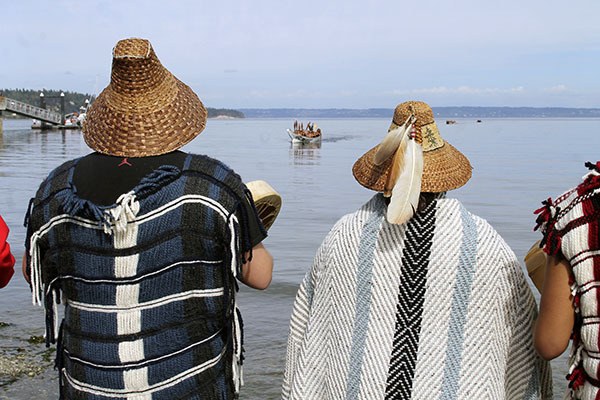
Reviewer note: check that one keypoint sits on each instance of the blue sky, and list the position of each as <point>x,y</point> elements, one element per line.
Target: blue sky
<point>319,54</point>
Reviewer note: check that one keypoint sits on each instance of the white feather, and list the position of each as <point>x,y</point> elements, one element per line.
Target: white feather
<point>391,142</point>
<point>405,193</point>
<point>396,167</point>
<point>389,145</point>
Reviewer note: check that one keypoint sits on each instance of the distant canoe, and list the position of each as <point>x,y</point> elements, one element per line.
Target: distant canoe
<point>304,137</point>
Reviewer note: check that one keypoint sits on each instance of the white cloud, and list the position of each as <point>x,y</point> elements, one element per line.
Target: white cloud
<point>443,90</point>
<point>556,89</point>
<point>262,51</point>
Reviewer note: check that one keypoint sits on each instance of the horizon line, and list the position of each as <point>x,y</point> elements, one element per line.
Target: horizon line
<point>391,108</point>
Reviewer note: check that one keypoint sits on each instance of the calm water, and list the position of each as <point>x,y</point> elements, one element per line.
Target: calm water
<point>517,163</point>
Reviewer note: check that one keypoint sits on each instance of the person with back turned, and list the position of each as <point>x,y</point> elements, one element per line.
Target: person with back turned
<point>143,243</point>
<point>569,311</point>
<point>412,296</point>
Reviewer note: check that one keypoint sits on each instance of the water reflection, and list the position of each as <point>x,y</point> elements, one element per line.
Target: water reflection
<point>306,154</point>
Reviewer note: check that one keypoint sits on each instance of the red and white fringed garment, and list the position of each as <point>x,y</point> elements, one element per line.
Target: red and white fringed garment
<point>571,225</point>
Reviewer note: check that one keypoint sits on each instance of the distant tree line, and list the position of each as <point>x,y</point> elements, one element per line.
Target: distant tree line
<point>224,112</point>
<point>74,100</point>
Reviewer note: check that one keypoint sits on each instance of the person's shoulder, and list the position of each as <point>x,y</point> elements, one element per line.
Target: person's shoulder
<point>210,166</point>
<point>64,168</point>
<point>375,207</point>
<point>484,230</point>
<point>195,159</point>
<point>57,178</point>
<point>588,186</point>
<point>205,171</point>
<point>339,233</point>
<point>449,205</point>
<point>564,199</point>
<point>455,206</point>
<point>451,212</point>
<point>3,229</point>
<point>352,223</point>
<point>345,221</point>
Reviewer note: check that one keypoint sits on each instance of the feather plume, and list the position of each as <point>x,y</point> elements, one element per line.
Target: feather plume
<point>391,142</point>
<point>397,166</point>
<point>407,187</point>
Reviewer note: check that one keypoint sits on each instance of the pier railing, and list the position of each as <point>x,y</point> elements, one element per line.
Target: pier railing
<point>28,110</point>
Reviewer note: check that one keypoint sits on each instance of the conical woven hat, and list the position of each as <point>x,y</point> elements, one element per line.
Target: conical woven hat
<point>145,110</point>
<point>266,200</point>
<point>444,167</point>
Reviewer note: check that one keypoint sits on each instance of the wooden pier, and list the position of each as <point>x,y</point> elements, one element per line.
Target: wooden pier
<point>27,110</point>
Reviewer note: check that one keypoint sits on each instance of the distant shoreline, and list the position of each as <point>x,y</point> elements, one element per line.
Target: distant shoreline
<point>440,112</point>
<point>458,112</point>
<point>225,117</point>
<point>75,99</point>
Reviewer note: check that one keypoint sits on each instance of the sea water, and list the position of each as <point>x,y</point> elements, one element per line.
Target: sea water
<point>516,164</point>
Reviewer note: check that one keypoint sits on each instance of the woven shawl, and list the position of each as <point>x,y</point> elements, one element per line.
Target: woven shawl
<point>148,283</point>
<point>571,225</point>
<point>437,308</point>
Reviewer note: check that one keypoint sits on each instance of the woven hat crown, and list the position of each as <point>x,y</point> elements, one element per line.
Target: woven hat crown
<point>145,110</point>
<point>138,78</point>
<point>444,167</point>
<point>421,110</point>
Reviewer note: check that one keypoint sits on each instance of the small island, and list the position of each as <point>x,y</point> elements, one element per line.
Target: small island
<point>224,113</point>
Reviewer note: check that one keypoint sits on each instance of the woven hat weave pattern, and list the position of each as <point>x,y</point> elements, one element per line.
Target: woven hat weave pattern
<point>444,167</point>
<point>145,110</point>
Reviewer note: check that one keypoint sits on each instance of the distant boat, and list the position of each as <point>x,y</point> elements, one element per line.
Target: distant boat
<point>72,120</point>
<point>450,122</point>
<point>299,135</point>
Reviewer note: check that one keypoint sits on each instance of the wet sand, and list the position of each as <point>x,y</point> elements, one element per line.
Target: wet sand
<point>25,364</point>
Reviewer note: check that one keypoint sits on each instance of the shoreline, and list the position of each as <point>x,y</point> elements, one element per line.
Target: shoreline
<point>22,356</point>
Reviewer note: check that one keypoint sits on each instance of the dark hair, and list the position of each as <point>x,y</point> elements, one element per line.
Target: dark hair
<point>425,199</point>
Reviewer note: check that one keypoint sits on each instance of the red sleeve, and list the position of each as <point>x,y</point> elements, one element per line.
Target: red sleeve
<point>7,261</point>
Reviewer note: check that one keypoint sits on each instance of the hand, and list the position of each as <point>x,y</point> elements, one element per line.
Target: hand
<point>24,268</point>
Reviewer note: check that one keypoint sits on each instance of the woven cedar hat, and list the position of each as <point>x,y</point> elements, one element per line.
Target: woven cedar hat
<point>145,110</point>
<point>444,167</point>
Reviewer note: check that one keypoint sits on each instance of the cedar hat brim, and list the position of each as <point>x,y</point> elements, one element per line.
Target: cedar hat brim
<point>145,110</point>
<point>444,168</point>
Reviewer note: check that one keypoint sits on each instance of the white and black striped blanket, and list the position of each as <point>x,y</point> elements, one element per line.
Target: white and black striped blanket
<point>438,308</point>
